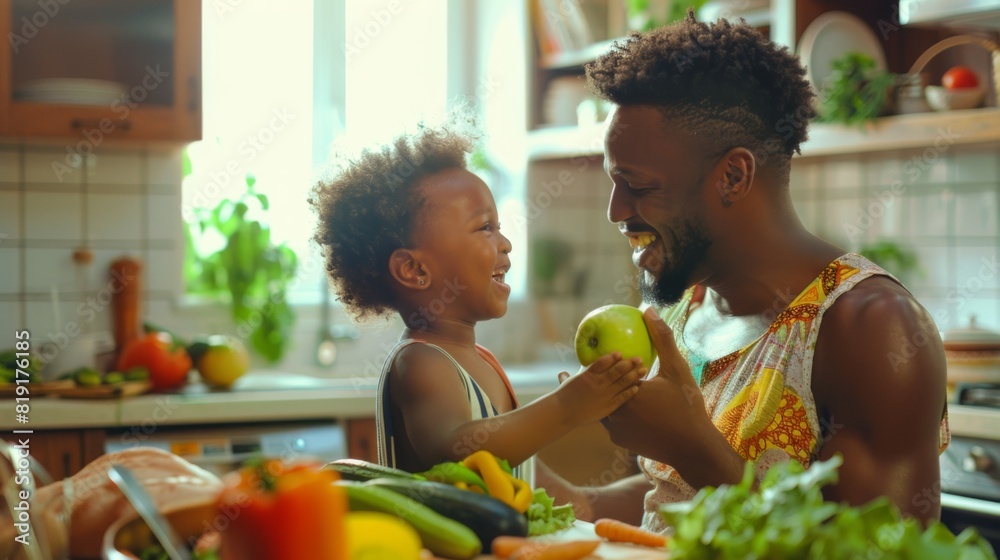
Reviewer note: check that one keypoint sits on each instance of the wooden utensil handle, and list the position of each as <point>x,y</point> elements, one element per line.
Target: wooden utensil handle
<point>126,288</point>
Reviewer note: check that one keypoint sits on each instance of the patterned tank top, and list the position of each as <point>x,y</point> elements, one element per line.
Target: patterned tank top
<point>760,397</point>
<point>479,402</point>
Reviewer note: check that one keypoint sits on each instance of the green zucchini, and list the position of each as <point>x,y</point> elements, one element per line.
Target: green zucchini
<point>362,471</point>
<point>441,535</point>
<point>488,517</point>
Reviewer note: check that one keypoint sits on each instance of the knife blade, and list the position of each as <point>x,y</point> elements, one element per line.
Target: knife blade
<point>143,504</point>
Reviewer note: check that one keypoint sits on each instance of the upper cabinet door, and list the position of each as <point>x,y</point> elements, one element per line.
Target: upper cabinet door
<point>87,71</point>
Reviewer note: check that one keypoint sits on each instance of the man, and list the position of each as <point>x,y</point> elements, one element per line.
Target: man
<point>773,344</point>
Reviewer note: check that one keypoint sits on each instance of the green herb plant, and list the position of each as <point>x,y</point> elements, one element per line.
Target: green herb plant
<point>857,92</point>
<point>641,17</point>
<point>898,261</point>
<point>787,518</point>
<point>249,269</point>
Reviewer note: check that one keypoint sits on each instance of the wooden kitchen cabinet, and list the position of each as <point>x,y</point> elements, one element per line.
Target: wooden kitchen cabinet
<point>90,71</point>
<point>64,452</point>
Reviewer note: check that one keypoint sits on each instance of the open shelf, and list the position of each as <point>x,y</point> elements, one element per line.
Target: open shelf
<point>888,133</point>
<point>570,59</point>
<point>905,131</point>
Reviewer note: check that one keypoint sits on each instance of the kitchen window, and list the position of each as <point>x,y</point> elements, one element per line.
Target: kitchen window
<point>284,83</point>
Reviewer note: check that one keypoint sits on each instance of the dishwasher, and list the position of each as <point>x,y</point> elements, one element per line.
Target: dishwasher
<point>224,447</point>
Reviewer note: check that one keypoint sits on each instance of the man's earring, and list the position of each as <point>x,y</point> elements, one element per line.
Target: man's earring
<point>420,281</point>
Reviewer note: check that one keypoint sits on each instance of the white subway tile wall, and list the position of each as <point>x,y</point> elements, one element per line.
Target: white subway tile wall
<point>114,217</point>
<point>49,208</point>
<point>943,205</point>
<point>10,216</point>
<point>53,216</point>
<point>10,264</point>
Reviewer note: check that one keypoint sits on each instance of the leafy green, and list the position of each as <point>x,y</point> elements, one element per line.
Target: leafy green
<point>788,518</point>
<point>543,518</point>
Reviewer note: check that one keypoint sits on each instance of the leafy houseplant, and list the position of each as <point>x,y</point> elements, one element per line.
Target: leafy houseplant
<point>857,92</point>
<point>898,261</point>
<point>249,268</point>
<point>642,16</point>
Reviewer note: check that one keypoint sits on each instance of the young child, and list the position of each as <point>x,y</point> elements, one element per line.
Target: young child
<point>409,230</point>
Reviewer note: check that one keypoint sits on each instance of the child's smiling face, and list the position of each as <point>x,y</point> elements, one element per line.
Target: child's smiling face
<point>458,233</point>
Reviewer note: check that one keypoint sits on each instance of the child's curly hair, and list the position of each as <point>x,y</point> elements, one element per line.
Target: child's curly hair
<point>368,209</point>
<point>724,82</point>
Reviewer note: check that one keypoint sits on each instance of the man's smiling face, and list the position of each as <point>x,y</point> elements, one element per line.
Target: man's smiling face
<point>657,200</point>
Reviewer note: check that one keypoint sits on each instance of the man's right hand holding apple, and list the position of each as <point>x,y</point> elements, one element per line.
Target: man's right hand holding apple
<point>666,420</point>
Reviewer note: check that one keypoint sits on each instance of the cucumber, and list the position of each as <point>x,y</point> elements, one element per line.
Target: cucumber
<point>362,471</point>
<point>441,535</point>
<point>488,517</point>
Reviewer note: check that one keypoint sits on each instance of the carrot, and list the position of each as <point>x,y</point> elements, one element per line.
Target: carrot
<point>618,531</point>
<point>571,550</point>
<point>504,546</point>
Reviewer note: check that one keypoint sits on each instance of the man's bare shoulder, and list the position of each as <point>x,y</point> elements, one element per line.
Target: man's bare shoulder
<point>876,343</point>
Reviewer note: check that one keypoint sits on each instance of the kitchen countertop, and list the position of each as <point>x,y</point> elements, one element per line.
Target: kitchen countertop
<point>259,396</point>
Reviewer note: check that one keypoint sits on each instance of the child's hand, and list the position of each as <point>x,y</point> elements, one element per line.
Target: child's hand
<point>601,388</point>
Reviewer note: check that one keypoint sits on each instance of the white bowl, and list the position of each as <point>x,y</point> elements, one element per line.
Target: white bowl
<point>943,99</point>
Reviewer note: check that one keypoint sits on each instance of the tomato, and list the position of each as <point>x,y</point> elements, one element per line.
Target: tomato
<point>959,77</point>
<point>168,365</point>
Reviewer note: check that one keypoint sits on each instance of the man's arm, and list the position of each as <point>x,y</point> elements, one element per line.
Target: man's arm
<point>879,381</point>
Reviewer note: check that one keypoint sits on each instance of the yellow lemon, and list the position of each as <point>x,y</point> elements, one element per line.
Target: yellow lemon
<point>379,536</point>
<point>222,364</point>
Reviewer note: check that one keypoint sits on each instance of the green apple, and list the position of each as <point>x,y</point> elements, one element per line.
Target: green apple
<point>614,328</point>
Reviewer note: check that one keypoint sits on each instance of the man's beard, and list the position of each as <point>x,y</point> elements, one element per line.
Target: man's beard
<point>688,247</point>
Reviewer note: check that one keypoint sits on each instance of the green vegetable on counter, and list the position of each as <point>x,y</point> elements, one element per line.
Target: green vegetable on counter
<point>87,377</point>
<point>113,378</point>
<point>788,518</point>
<point>543,518</point>
<point>450,473</point>
<point>10,363</point>
<point>137,373</point>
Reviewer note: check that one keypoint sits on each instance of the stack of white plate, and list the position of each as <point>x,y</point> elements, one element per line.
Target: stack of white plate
<point>71,91</point>
<point>563,96</point>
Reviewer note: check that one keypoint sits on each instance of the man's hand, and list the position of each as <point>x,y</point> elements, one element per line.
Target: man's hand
<point>667,421</point>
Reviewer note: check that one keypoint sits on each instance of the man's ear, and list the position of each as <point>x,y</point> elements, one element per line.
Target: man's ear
<point>736,175</point>
<point>405,266</point>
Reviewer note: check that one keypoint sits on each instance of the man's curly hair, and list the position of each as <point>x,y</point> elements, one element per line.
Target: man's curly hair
<point>723,82</point>
<point>369,208</point>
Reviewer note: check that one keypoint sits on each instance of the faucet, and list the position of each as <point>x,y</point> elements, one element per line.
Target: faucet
<point>331,334</point>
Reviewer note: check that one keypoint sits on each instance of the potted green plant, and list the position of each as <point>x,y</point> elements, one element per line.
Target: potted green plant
<point>857,92</point>
<point>901,263</point>
<point>249,270</point>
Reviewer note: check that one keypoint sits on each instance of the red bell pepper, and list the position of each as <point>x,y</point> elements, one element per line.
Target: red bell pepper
<point>281,511</point>
<point>168,364</point>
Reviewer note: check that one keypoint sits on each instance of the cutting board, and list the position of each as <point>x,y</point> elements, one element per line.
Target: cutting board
<point>583,531</point>
<point>69,389</point>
